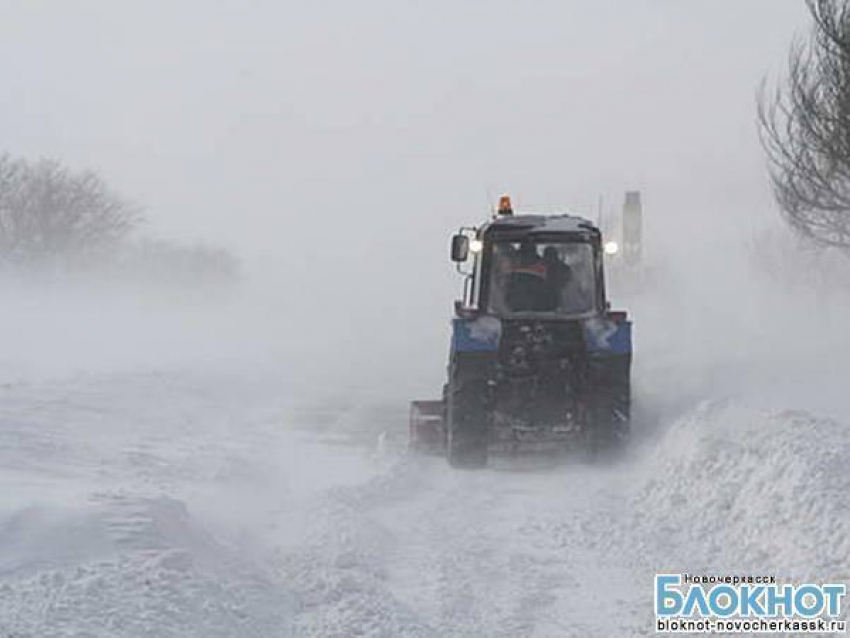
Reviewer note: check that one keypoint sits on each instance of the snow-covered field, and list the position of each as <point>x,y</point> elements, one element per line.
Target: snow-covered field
<point>194,502</point>
<point>175,504</point>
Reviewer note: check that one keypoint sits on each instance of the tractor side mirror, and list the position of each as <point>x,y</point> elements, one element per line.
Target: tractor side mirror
<point>460,248</point>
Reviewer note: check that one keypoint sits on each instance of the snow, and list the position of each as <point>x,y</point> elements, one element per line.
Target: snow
<point>199,490</point>
<point>486,329</point>
<point>97,535</point>
<point>195,504</point>
<point>747,490</point>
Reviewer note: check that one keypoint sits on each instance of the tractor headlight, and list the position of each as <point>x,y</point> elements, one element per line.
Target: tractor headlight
<point>476,245</point>
<point>611,248</point>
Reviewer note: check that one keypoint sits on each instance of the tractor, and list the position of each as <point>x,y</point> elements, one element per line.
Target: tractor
<point>538,360</point>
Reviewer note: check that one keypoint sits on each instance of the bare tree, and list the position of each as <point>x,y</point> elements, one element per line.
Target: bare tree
<point>49,213</point>
<point>805,128</point>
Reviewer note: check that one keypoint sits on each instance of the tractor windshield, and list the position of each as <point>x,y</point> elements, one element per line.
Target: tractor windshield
<point>542,277</point>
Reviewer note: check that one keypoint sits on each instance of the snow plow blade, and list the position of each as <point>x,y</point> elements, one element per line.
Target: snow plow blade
<point>427,428</point>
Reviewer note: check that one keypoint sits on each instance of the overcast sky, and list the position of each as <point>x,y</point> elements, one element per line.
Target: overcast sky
<point>227,119</point>
<point>342,142</point>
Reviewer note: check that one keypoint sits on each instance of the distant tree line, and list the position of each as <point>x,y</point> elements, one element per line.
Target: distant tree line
<point>171,263</point>
<point>805,129</point>
<point>55,219</point>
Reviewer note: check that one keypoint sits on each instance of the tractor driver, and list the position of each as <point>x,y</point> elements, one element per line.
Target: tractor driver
<point>528,286</point>
<point>559,275</point>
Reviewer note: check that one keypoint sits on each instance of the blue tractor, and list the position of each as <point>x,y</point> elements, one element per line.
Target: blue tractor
<point>538,360</point>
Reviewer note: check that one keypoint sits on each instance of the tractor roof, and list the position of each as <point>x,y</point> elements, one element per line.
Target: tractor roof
<point>540,224</point>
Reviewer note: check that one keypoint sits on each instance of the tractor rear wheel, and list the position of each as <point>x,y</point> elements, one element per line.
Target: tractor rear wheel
<point>609,430</point>
<point>467,431</point>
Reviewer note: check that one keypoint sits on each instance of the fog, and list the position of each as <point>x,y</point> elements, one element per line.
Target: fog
<point>333,148</point>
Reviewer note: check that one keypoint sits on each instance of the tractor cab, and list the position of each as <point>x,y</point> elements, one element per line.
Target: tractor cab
<point>531,266</point>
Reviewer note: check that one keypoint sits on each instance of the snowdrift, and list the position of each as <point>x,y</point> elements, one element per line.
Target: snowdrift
<point>730,489</point>
<point>130,567</point>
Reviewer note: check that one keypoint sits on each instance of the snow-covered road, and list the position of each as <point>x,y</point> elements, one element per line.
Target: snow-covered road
<point>203,505</point>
